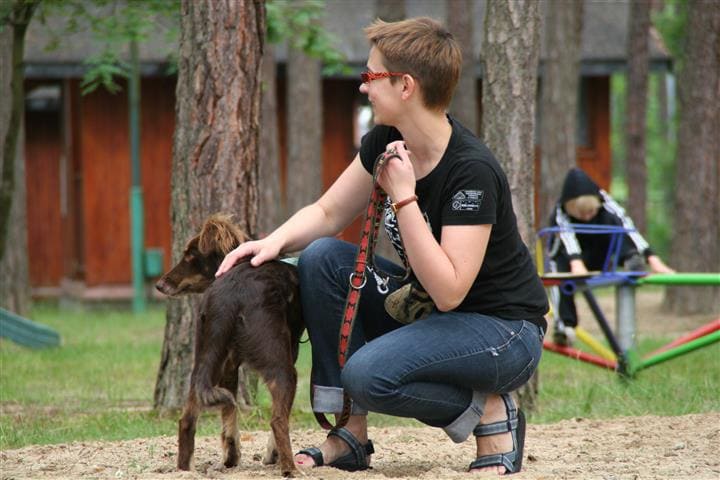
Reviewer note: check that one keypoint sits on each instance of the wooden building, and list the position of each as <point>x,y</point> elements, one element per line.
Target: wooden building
<point>77,146</point>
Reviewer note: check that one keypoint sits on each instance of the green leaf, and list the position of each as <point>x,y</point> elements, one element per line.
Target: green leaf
<point>300,24</point>
<point>113,24</point>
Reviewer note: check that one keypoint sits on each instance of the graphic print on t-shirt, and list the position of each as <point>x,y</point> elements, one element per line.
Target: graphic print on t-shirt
<point>468,200</point>
<point>393,231</point>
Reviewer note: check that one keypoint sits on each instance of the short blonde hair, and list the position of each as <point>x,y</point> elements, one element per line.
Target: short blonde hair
<point>424,49</point>
<point>582,206</point>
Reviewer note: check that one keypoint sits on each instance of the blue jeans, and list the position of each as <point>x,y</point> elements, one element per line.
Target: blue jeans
<point>438,370</point>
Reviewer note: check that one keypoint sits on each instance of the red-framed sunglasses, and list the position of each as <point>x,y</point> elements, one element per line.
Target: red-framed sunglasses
<point>368,76</point>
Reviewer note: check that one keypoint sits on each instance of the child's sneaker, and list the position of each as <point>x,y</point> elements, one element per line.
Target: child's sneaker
<point>564,336</point>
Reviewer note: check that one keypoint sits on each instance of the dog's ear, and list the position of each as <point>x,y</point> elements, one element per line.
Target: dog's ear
<point>219,234</point>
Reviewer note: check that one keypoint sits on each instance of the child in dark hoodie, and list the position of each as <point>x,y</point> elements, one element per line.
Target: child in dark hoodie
<point>583,202</point>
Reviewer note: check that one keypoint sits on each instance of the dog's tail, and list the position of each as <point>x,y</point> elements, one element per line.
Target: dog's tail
<point>210,396</point>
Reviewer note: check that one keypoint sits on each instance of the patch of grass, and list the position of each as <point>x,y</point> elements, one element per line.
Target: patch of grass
<point>108,358</point>
<point>99,385</point>
<point>687,384</point>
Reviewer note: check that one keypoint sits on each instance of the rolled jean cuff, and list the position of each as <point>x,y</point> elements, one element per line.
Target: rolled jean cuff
<point>459,430</point>
<point>330,400</point>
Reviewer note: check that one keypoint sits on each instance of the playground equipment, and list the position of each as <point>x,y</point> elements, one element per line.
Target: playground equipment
<point>26,332</point>
<point>622,355</point>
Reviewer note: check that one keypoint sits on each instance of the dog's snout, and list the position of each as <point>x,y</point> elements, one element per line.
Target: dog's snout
<point>162,285</point>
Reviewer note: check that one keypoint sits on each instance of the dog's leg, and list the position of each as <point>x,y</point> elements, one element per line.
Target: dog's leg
<point>271,454</point>
<point>230,436</point>
<point>282,389</point>
<point>186,431</point>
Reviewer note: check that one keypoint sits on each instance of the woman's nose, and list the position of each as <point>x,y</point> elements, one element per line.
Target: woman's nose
<point>363,88</point>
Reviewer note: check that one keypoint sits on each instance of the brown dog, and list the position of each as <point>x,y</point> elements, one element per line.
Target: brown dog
<point>250,316</point>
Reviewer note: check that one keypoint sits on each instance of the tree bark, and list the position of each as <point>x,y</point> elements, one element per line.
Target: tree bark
<point>563,40</point>
<point>14,276</point>
<point>215,151</point>
<point>460,18</point>
<point>657,6</point>
<point>304,130</point>
<point>390,10</point>
<point>638,67</point>
<point>14,266</point>
<point>271,211</point>
<point>696,234</point>
<point>511,51</point>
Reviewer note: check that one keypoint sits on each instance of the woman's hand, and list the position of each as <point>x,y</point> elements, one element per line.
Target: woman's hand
<point>397,176</point>
<point>260,250</point>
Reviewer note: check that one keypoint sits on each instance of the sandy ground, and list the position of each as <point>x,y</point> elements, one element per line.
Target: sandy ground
<point>630,448</point>
<point>647,447</point>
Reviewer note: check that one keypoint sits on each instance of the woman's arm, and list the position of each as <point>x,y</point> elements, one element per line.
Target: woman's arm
<point>448,269</point>
<point>337,207</point>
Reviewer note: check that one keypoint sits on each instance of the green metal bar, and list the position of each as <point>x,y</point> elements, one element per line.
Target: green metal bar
<point>631,364</point>
<point>679,350</point>
<point>681,279</point>
<point>137,221</point>
<point>137,236</point>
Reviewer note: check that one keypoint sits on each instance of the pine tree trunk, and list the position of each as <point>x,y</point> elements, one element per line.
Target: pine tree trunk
<point>696,234</point>
<point>563,40</point>
<point>271,212</point>
<point>511,51</point>
<point>215,151</point>
<point>657,6</point>
<point>460,18</point>
<point>304,127</point>
<point>638,67</point>
<point>390,10</point>
<point>14,268</point>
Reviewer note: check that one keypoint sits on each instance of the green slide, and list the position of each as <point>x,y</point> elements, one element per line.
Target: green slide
<point>26,332</point>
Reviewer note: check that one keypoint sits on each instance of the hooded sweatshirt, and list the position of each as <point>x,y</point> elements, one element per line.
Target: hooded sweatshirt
<point>577,183</point>
<point>592,248</point>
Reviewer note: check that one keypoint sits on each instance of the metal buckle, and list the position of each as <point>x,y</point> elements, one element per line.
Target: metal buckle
<point>364,281</point>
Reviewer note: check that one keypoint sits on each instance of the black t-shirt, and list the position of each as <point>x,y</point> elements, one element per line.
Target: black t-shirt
<point>468,187</point>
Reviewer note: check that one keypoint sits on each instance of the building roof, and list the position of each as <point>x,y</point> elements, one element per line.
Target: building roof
<point>604,42</point>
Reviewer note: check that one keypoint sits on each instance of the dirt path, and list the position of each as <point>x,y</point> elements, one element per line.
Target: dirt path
<point>646,447</point>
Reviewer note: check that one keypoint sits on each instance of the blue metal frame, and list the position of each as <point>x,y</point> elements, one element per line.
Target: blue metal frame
<point>610,274</point>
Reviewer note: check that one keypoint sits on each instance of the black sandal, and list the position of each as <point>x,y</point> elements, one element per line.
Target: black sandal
<point>515,424</point>
<point>355,460</point>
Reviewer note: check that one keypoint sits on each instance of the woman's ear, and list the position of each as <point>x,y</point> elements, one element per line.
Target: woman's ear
<point>409,86</point>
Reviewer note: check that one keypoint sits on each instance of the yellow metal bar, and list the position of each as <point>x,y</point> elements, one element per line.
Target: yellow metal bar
<point>539,260</point>
<point>585,337</point>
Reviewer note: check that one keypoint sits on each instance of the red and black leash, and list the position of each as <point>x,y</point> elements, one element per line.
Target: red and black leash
<point>365,256</point>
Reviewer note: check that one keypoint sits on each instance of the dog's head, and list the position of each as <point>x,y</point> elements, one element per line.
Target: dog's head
<point>202,256</point>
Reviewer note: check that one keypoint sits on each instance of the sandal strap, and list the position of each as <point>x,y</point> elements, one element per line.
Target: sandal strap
<point>315,454</point>
<point>495,428</point>
<point>499,459</point>
<point>512,460</point>
<point>503,426</point>
<point>359,451</point>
